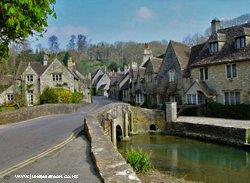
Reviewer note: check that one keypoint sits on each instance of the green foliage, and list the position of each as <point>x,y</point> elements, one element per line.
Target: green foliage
<point>113,66</point>
<point>66,58</point>
<point>76,97</point>
<point>241,111</point>
<point>48,96</point>
<point>139,160</point>
<point>60,95</point>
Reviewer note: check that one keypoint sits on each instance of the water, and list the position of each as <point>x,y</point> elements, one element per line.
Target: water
<point>193,160</point>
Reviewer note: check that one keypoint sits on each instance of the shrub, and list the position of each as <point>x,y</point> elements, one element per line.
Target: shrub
<point>76,97</point>
<point>240,111</point>
<point>60,95</point>
<point>139,160</point>
<point>48,96</point>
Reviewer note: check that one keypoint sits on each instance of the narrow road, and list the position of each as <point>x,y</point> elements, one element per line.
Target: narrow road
<point>23,140</point>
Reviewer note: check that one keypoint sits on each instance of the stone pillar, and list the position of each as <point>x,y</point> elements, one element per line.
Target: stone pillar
<point>126,125</point>
<point>171,111</point>
<point>113,135</point>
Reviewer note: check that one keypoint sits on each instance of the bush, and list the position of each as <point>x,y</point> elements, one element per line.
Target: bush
<point>60,95</point>
<point>76,97</point>
<point>241,111</point>
<point>49,96</point>
<point>139,160</point>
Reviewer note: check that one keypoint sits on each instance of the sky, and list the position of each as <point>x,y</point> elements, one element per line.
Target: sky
<point>136,20</point>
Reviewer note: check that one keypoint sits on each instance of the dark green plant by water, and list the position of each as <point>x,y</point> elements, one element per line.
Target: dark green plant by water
<point>139,160</point>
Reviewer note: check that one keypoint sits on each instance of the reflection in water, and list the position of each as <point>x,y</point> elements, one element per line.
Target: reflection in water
<point>193,160</point>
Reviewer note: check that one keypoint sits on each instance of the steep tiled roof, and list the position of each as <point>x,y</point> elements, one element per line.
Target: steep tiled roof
<point>228,53</point>
<point>5,82</point>
<point>126,85</point>
<point>38,67</point>
<point>98,79</point>
<point>156,64</point>
<point>182,53</point>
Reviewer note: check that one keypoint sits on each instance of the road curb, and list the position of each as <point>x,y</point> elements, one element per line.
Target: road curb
<point>73,135</point>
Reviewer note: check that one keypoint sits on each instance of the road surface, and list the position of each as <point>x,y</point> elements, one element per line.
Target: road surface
<point>23,140</point>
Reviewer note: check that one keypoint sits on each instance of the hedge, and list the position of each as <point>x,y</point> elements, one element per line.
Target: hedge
<point>241,111</point>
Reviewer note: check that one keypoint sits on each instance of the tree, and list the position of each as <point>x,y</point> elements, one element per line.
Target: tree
<point>66,58</point>
<point>19,19</point>
<point>53,44</point>
<point>71,46</point>
<point>81,43</point>
<point>113,66</point>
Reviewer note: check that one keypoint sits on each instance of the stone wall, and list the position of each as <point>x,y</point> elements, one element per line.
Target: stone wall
<point>37,111</point>
<point>142,119</point>
<point>109,163</point>
<point>219,134</point>
<point>218,81</point>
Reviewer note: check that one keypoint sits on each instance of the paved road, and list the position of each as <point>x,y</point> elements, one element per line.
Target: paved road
<point>23,140</point>
<point>72,160</point>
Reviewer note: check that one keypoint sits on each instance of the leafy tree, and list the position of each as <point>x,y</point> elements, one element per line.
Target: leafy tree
<point>113,66</point>
<point>71,46</point>
<point>66,58</point>
<point>81,43</point>
<point>21,18</point>
<point>53,44</point>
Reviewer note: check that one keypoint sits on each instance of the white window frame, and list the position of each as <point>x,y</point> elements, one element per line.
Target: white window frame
<point>240,42</point>
<point>231,71</point>
<point>29,78</point>
<point>203,76</point>
<point>57,77</point>
<point>214,47</point>
<point>171,74</point>
<point>232,98</point>
<point>193,99</point>
<point>10,97</point>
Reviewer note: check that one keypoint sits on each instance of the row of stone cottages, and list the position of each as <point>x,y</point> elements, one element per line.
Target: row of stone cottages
<point>218,69</point>
<point>36,76</point>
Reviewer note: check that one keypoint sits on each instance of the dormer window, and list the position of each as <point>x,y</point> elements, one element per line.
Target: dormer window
<point>214,47</point>
<point>240,42</point>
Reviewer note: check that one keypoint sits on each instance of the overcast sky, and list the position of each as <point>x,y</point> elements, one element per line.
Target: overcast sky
<point>137,20</point>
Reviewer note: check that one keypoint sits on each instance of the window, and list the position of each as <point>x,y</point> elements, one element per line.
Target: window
<point>57,77</point>
<point>232,98</point>
<point>231,71</point>
<point>204,73</point>
<point>171,74</point>
<point>192,99</point>
<point>29,78</point>
<point>214,47</point>
<point>240,42</point>
<point>10,97</point>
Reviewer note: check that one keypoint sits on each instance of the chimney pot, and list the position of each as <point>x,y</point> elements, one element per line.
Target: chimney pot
<point>215,25</point>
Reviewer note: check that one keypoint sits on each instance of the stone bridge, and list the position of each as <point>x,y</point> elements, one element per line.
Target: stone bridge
<point>117,122</point>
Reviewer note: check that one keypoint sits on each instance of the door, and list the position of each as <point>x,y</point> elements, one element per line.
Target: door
<point>30,98</point>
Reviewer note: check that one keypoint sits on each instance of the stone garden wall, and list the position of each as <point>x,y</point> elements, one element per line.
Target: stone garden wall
<point>37,111</point>
<point>143,118</point>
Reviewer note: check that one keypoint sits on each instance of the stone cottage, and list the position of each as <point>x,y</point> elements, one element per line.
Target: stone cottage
<point>220,67</point>
<point>101,82</point>
<point>34,77</point>
<point>171,80</point>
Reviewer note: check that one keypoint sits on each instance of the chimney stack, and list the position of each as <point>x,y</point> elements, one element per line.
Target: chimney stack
<point>45,58</point>
<point>71,64</point>
<point>215,25</point>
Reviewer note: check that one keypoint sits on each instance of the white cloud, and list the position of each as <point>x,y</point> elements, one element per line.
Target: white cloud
<point>144,13</point>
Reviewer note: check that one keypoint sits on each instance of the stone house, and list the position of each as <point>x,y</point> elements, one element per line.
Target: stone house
<point>139,87</point>
<point>151,73</point>
<point>171,80</point>
<point>101,82</point>
<point>124,87</point>
<point>34,77</point>
<point>220,67</point>
<point>6,89</point>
